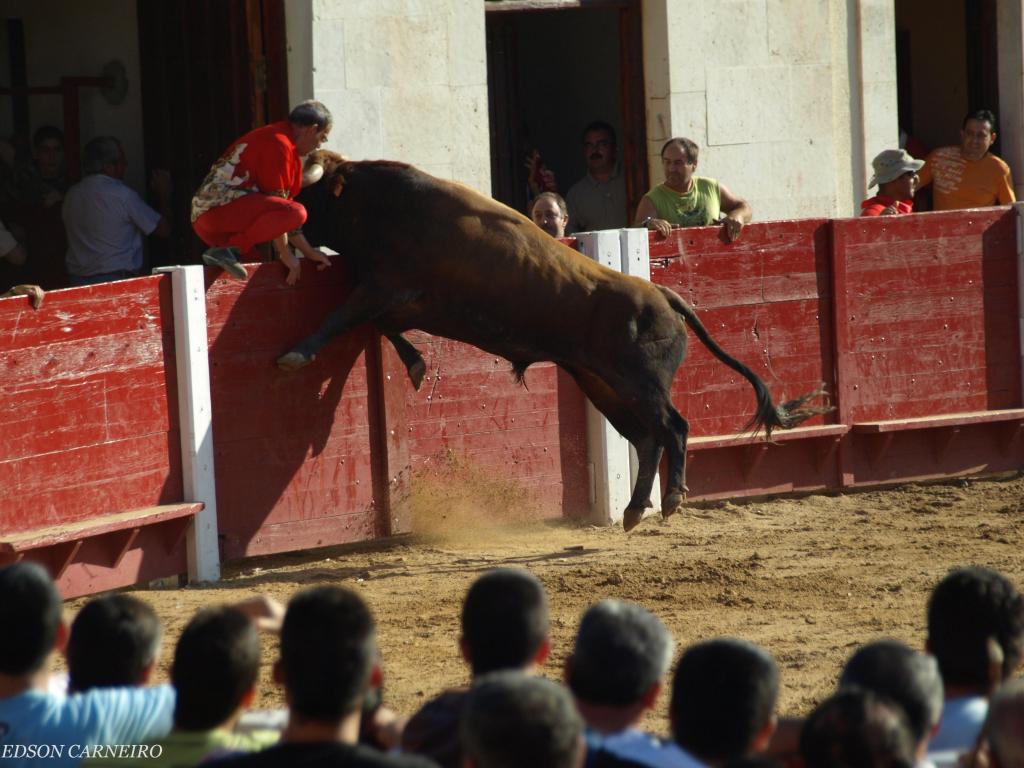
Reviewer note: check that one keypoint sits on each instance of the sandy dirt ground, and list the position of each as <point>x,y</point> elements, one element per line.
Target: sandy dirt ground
<point>809,579</point>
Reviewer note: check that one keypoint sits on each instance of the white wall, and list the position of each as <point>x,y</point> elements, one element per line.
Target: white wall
<point>405,79</point>
<point>784,97</point>
<point>74,38</point>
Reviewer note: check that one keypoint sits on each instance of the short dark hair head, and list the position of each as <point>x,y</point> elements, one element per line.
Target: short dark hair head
<point>328,650</point>
<point>897,672</point>
<point>47,133</point>
<point>100,152</point>
<point>982,115</point>
<point>30,611</point>
<point>216,662</point>
<point>857,729</point>
<point>311,113</point>
<point>966,609</point>
<point>599,125</point>
<point>688,146</point>
<point>113,639</point>
<point>621,650</point>
<point>512,719</point>
<point>724,692</point>
<point>504,620</point>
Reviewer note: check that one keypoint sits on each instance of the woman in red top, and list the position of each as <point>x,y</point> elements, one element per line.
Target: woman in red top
<point>896,177</point>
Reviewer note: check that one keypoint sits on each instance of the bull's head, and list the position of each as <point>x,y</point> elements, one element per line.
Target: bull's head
<point>321,163</point>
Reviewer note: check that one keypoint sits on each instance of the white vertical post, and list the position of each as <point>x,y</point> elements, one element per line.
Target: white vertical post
<point>1019,207</point>
<point>195,414</point>
<point>607,450</point>
<point>636,261</point>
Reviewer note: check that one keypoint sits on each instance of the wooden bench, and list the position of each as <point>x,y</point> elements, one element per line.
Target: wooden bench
<point>57,545</point>
<point>755,447</point>
<point>944,427</point>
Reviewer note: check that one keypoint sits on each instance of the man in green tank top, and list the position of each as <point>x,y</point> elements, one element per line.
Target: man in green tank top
<point>687,200</point>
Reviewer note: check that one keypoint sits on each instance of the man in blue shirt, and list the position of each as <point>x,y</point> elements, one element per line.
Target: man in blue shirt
<point>36,724</point>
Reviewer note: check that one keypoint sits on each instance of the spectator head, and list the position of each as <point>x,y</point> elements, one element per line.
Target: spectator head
<point>723,699</point>
<point>311,125</point>
<point>977,133</point>
<point>216,665</point>
<point>104,155</point>
<point>48,150</point>
<point>975,629</point>
<point>1005,726</point>
<point>621,656</point>
<point>550,213</point>
<point>599,147</point>
<point>679,162</point>
<point>857,729</point>
<point>31,605</point>
<point>505,622</point>
<point>512,719</point>
<point>114,641</point>
<point>328,654</point>
<point>895,173</point>
<point>909,678</point>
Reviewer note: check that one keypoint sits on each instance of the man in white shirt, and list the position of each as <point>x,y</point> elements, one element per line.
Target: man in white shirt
<point>106,220</point>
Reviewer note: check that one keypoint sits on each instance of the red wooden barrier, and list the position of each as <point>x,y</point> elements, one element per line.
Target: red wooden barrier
<point>910,321</point>
<point>926,321</point>
<point>767,300</point>
<point>87,389</point>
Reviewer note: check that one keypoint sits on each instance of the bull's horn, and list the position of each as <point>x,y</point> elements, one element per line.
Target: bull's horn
<point>313,173</point>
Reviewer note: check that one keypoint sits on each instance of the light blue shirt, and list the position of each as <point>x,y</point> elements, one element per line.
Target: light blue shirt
<point>106,221</point>
<point>961,723</point>
<point>39,728</point>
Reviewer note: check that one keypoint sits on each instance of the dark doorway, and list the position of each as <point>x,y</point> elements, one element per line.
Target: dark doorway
<point>550,73</point>
<point>947,65</point>
<point>210,72</point>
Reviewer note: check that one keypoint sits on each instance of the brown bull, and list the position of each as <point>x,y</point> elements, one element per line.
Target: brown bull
<point>440,257</point>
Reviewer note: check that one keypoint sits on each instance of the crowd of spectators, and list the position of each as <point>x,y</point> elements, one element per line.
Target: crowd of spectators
<point>953,704</point>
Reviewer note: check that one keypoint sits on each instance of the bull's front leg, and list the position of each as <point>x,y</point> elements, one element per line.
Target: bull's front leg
<point>363,305</point>
<point>410,356</point>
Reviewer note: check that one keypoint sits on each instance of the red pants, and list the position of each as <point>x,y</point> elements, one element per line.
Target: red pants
<point>248,221</point>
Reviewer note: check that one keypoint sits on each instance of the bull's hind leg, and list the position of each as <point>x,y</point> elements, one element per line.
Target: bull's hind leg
<point>361,306</point>
<point>622,417</point>
<point>672,432</point>
<point>648,453</point>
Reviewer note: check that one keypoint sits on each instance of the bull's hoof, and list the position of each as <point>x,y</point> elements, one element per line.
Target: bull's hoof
<point>671,504</point>
<point>631,518</point>
<point>416,373</point>
<point>293,361</point>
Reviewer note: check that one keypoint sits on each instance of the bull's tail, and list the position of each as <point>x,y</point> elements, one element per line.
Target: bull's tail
<point>768,416</point>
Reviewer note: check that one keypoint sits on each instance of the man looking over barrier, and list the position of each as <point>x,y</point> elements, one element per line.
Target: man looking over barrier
<point>968,175</point>
<point>896,177</point>
<point>247,198</point>
<point>549,212</point>
<point>688,200</point>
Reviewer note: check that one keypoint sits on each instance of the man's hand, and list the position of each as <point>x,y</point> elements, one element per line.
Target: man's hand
<point>291,263</point>
<point>732,228</point>
<point>34,292</point>
<point>662,227</point>
<point>266,612</point>
<point>319,257</point>
<point>891,210</point>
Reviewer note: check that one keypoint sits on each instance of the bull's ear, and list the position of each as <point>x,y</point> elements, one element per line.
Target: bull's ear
<point>337,184</point>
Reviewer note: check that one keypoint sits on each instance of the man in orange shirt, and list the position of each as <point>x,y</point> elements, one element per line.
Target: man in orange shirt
<point>968,176</point>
